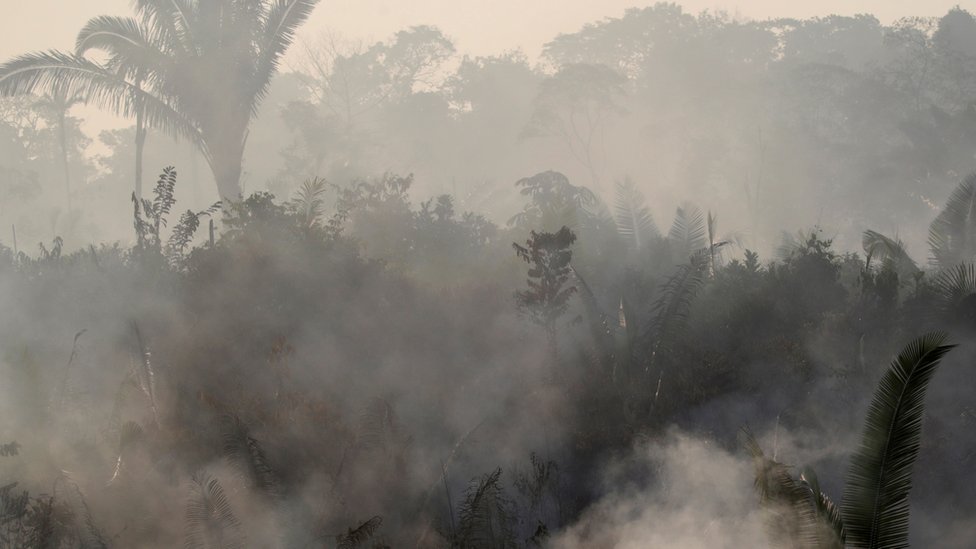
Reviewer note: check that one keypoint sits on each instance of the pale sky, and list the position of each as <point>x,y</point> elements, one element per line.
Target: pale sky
<point>478,27</point>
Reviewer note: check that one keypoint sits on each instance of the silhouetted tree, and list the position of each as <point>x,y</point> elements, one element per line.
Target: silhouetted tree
<point>198,69</point>
<point>547,298</point>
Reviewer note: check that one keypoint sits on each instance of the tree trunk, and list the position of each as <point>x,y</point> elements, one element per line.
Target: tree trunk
<point>63,141</point>
<point>140,146</point>
<point>226,157</point>
<point>227,173</point>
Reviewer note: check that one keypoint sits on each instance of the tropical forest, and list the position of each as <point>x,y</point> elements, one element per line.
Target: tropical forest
<point>670,276</point>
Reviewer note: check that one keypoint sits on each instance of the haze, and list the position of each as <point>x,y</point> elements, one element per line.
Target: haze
<point>487,275</point>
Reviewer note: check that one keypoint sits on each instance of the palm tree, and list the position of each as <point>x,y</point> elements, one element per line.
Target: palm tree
<point>58,103</point>
<point>874,512</point>
<point>196,69</point>
<point>952,235</point>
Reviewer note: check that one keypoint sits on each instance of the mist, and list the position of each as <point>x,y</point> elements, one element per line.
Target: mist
<point>288,273</point>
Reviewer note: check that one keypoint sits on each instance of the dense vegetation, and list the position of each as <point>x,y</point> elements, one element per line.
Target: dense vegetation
<point>350,357</point>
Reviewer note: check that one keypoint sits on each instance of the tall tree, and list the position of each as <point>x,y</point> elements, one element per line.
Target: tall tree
<point>196,68</point>
<point>58,102</point>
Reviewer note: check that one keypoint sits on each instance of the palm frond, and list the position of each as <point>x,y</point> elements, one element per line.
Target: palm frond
<point>308,201</point>
<point>601,327</point>
<point>171,22</point>
<point>875,505</point>
<point>632,216</point>
<point>282,21</point>
<point>952,235</point>
<point>790,517</point>
<point>829,530</point>
<point>130,434</point>
<point>354,538</point>
<point>955,293</point>
<point>486,515</point>
<point>39,72</point>
<point>13,508</point>
<point>210,521</point>
<point>880,248</point>
<point>671,309</point>
<point>246,454</point>
<point>129,47</point>
<point>379,430</point>
<point>82,523</point>
<point>688,232</point>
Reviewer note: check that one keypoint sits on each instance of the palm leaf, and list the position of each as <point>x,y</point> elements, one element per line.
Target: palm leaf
<point>789,513</point>
<point>633,218</point>
<point>72,74</point>
<point>244,452</point>
<point>688,232</point>
<point>875,505</point>
<point>955,290</point>
<point>486,515</point>
<point>600,325</point>
<point>282,21</point>
<point>952,235</point>
<point>884,249</point>
<point>89,535</point>
<point>130,47</point>
<point>210,521</point>
<point>354,538</point>
<point>671,309</point>
<point>308,201</point>
<point>172,18</point>
<point>829,529</point>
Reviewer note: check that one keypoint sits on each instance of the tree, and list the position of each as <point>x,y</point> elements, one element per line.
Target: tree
<point>575,105</point>
<point>198,69</point>
<point>58,102</point>
<point>350,81</point>
<point>356,91</point>
<point>554,201</point>
<point>547,298</point>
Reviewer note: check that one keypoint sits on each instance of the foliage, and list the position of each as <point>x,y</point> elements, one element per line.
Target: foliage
<point>210,521</point>
<point>245,453</point>
<point>875,509</point>
<point>875,505</point>
<point>547,297</point>
<point>554,202</point>
<point>633,218</point>
<point>155,66</point>
<point>952,235</point>
<point>486,515</point>
<point>357,537</point>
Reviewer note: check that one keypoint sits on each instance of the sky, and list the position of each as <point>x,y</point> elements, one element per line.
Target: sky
<point>478,27</point>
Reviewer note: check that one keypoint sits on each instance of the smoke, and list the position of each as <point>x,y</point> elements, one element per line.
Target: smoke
<point>677,491</point>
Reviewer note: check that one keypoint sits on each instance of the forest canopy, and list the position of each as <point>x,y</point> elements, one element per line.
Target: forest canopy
<point>684,280</point>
